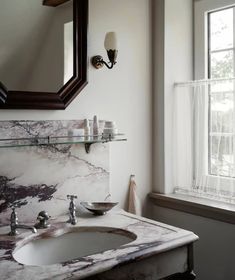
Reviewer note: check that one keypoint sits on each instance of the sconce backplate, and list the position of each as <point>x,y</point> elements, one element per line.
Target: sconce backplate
<point>97,61</point>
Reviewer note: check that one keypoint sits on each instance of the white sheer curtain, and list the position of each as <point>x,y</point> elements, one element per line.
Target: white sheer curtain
<point>204,139</point>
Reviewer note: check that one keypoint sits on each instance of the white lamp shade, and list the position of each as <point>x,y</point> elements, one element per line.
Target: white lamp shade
<point>110,42</point>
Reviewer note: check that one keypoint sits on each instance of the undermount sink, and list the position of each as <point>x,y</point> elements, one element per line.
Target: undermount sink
<point>77,243</point>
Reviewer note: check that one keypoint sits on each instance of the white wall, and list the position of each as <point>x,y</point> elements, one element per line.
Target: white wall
<point>214,252</point>
<point>173,33</point>
<point>122,94</point>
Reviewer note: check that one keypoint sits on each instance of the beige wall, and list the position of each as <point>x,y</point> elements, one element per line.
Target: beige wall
<point>122,94</point>
<point>173,62</point>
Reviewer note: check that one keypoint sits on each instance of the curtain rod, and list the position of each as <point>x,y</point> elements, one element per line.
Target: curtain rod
<point>208,81</point>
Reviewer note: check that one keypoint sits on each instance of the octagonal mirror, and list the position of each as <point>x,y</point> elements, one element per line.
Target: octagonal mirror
<point>43,52</point>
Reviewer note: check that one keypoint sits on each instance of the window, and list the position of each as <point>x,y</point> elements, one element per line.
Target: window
<point>204,109</point>
<point>221,119</point>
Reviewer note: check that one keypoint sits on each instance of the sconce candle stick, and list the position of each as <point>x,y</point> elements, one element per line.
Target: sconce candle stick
<point>110,45</point>
<point>3,93</point>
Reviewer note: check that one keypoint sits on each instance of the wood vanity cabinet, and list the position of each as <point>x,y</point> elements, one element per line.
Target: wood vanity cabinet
<point>175,264</point>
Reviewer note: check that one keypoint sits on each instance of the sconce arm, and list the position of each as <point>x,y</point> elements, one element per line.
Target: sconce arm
<point>98,62</point>
<point>107,65</point>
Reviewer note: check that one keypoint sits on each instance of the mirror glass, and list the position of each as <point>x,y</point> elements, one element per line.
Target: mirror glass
<point>36,49</point>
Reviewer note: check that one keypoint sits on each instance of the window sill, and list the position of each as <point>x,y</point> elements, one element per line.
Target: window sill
<point>216,210</point>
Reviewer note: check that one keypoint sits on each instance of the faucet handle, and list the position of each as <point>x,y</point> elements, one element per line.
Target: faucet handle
<point>72,197</point>
<point>14,217</point>
<point>72,209</point>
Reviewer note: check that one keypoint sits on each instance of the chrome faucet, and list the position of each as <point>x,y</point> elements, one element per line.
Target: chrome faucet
<point>15,225</point>
<point>72,208</point>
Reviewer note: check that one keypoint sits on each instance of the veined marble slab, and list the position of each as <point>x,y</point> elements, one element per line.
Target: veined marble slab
<point>153,239</point>
<point>39,178</point>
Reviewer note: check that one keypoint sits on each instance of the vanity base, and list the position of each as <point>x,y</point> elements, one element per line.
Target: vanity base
<point>182,276</point>
<point>170,265</point>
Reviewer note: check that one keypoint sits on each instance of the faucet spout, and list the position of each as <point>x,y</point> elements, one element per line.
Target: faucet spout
<point>33,229</point>
<point>14,225</point>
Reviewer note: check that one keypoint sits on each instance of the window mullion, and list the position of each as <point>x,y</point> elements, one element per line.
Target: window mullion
<point>209,139</point>
<point>222,50</point>
<point>233,90</point>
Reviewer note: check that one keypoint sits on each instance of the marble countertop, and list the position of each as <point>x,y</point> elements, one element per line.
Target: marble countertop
<point>152,238</point>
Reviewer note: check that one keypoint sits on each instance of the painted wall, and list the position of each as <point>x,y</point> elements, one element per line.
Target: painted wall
<point>122,94</point>
<point>214,252</point>
<point>173,62</point>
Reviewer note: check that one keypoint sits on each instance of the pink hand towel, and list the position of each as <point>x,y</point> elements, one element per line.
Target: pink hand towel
<point>134,205</point>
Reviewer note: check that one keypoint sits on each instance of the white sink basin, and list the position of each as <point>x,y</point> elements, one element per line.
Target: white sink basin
<point>77,243</point>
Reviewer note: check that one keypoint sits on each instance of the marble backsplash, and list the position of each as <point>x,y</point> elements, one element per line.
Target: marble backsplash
<point>39,177</point>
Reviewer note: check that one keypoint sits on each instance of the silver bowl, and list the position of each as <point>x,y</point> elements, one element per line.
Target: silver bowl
<point>99,208</point>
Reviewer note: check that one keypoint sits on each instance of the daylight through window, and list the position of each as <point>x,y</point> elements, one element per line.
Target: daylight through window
<point>221,148</point>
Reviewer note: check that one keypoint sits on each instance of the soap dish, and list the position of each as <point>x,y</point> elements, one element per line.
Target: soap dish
<point>98,208</point>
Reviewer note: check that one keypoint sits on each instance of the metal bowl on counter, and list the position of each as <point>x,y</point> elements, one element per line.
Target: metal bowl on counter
<point>98,208</point>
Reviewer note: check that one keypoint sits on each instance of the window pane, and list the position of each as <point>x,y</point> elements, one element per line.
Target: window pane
<point>225,86</point>
<point>221,95</point>
<point>222,106</point>
<point>221,29</point>
<point>222,159</point>
<point>222,65</point>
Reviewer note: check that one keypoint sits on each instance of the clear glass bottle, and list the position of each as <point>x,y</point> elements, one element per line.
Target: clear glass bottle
<point>87,130</point>
<point>95,128</point>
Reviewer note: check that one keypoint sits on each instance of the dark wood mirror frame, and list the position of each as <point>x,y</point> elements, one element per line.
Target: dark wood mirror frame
<point>61,99</point>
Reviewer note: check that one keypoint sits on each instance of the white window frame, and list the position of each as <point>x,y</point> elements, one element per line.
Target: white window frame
<point>201,51</point>
<point>210,52</point>
<point>201,9</point>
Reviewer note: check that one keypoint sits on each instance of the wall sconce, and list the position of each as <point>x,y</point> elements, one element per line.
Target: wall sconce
<point>110,44</point>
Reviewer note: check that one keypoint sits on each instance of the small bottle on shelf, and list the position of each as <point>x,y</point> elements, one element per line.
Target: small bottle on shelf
<point>95,128</point>
<point>87,130</point>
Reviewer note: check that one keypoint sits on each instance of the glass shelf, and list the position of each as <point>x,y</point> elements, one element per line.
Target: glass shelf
<point>61,140</point>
